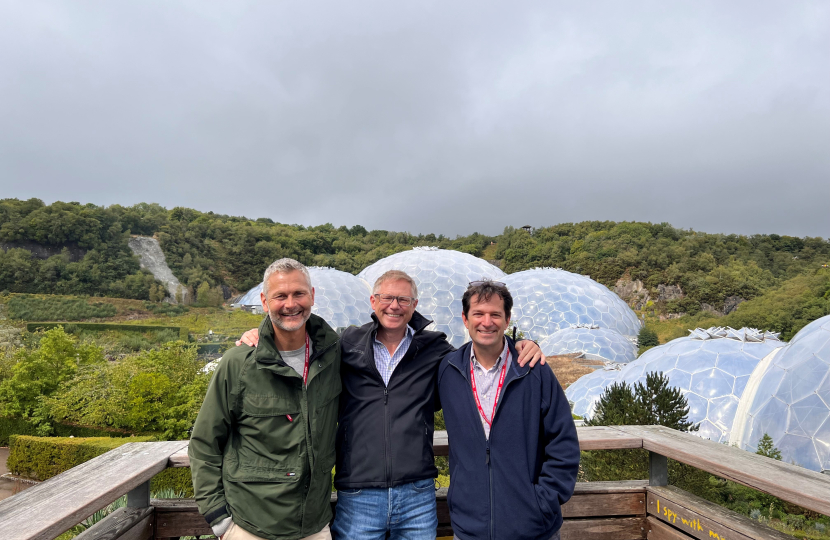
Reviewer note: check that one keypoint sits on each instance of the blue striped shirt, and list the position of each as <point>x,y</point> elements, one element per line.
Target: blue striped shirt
<point>385,362</point>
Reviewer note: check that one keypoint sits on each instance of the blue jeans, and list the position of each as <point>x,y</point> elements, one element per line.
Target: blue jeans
<point>407,511</point>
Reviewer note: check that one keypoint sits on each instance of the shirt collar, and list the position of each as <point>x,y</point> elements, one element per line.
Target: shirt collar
<point>505,354</point>
<point>409,333</point>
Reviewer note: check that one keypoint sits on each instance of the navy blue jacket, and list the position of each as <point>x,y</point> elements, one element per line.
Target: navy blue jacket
<point>513,485</point>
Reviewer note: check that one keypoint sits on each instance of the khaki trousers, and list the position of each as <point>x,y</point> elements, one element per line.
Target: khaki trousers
<point>238,533</point>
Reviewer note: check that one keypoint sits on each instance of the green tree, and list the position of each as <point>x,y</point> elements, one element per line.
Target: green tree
<point>767,448</point>
<point>40,372</point>
<point>647,338</point>
<point>652,403</point>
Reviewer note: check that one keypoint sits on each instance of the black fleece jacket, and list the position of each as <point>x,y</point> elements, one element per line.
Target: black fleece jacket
<point>384,435</point>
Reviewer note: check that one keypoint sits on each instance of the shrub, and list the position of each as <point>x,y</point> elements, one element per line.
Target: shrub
<point>40,372</point>
<point>32,308</point>
<point>647,338</point>
<point>21,426</point>
<point>45,457</point>
<point>103,327</point>
<point>159,390</point>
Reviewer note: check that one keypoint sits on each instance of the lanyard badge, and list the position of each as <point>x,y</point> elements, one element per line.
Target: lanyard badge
<point>498,392</point>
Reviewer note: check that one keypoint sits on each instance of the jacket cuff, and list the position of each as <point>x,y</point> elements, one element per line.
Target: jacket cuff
<point>217,515</point>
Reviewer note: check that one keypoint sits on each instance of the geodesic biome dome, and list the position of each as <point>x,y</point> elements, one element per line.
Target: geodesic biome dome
<point>586,391</point>
<point>340,298</point>
<point>593,342</point>
<point>788,398</point>
<point>711,367</point>
<point>442,276</point>
<point>546,300</point>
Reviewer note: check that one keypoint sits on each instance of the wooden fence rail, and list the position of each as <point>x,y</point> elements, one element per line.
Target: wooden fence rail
<point>598,511</point>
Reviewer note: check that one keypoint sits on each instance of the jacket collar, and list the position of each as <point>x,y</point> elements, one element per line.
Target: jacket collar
<point>461,360</point>
<point>418,323</point>
<point>268,357</point>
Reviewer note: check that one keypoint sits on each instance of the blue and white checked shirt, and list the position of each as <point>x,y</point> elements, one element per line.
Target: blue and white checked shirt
<point>387,363</point>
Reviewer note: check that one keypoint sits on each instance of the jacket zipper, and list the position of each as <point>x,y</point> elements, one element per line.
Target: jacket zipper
<point>492,497</point>
<point>387,448</point>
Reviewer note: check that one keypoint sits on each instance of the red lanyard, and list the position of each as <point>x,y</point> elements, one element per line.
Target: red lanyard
<point>498,391</point>
<point>305,369</point>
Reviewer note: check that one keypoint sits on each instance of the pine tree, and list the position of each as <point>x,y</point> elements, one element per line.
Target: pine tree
<point>647,338</point>
<point>658,403</point>
<point>616,407</point>
<point>767,448</point>
<point>652,403</point>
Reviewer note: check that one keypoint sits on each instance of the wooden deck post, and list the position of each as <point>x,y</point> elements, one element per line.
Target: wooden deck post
<point>139,497</point>
<point>658,469</point>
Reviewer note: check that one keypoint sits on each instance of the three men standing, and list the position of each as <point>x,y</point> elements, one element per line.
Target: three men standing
<point>262,454</point>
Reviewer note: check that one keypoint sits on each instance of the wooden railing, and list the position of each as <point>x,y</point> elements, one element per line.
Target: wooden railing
<point>597,511</point>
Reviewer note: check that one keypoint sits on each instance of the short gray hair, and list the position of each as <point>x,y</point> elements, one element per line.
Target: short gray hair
<point>395,275</point>
<point>284,266</point>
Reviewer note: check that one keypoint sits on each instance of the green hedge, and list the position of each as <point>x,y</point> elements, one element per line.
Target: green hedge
<point>32,308</point>
<point>19,426</point>
<point>44,457</point>
<point>102,327</point>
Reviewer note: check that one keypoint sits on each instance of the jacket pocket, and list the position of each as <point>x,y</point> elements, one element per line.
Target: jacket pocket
<point>547,514</point>
<point>261,405</point>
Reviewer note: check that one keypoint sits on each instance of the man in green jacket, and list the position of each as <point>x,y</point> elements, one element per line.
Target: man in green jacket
<point>262,448</point>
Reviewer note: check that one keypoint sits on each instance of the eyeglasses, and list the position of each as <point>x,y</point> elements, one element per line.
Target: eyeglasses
<point>486,282</point>
<point>386,299</point>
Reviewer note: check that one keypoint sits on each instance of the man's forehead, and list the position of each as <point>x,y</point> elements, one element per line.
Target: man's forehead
<point>394,284</point>
<point>494,303</point>
<point>294,280</point>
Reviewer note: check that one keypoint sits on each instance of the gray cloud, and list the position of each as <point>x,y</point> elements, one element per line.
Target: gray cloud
<point>427,117</point>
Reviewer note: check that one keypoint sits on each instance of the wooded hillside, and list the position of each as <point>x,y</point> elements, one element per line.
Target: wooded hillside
<point>73,248</point>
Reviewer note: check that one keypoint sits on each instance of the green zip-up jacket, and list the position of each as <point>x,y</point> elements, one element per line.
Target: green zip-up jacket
<point>262,447</point>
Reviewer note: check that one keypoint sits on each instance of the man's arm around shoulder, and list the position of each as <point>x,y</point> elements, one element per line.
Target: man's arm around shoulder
<point>210,436</point>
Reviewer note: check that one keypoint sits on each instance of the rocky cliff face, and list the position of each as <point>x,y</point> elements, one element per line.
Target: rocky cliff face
<point>633,293</point>
<point>151,258</point>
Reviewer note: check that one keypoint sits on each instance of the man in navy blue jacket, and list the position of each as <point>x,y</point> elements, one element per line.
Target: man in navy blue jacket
<point>514,452</point>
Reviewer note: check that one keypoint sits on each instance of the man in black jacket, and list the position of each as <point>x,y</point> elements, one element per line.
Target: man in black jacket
<point>385,462</point>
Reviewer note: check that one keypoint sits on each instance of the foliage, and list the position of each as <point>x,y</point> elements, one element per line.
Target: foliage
<point>647,338</point>
<point>40,372</point>
<point>42,458</point>
<point>206,250</point>
<point>767,448</point>
<point>164,308</point>
<point>22,426</point>
<point>51,308</point>
<point>158,390</point>
<point>787,308</point>
<point>652,403</point>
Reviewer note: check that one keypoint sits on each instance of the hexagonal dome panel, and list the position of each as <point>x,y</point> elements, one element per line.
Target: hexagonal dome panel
<point>442,276</point>
<point>585,392</point>
<point>788,398</point>
<point>711,367</point>
<point>593,342</point>
<point>547,300</point>
<point>340,298</point>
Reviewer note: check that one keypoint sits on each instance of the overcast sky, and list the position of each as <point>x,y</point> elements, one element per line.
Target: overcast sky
<point>444,117</point>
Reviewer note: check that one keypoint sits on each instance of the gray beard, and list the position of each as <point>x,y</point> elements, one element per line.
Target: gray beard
<point>277,321</point>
